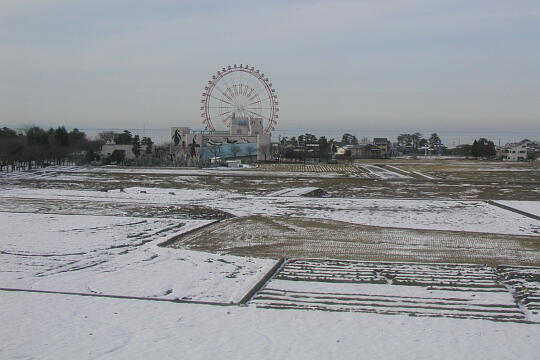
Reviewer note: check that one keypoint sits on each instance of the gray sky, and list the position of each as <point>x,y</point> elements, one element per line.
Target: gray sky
<point>458,65</point>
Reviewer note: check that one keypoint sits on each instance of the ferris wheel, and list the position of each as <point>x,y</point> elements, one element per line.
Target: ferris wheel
<point>239,91</point>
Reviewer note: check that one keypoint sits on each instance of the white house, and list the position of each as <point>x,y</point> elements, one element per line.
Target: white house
<point>108,149</point>
<point>515,151</point>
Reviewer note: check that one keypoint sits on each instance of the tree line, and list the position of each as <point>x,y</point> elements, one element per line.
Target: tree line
<point>408,143</point>
<point>35,147</point>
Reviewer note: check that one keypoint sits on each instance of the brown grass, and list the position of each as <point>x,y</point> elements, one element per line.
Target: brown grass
<point>316,238</point>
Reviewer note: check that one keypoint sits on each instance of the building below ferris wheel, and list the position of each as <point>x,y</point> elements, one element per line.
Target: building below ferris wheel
<point>245,139</point>
<point>242,98</point>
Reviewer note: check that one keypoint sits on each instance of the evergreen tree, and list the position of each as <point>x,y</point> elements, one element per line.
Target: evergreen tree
<point>404,140</point>
<point>475,149</point>
<point>348,139</point>
<point>61,136</point>
<point>148,143</point>
<point>124,138</point>
<point>117,156</point>
<point>36,136</point>
<point>89,156</point>
<point>434,141</point>
<point>486,148</point>
<point>136,145</point>
<point>76,136</point>
<point>417,140</point>
<point>324,145</point>
<point>310,139</point>
<point>7,132</point>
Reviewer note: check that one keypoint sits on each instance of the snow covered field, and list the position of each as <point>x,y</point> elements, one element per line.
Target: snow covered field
<point>80,171</point>
<point>47,326</point>
<point>531,207</point>
<point>449,290</point>
<point>473,216</point>
<point>118,256</point>
<point>90,242</point>
<point>292,192</point>
<point>425,179</point>
<point>381,173</point>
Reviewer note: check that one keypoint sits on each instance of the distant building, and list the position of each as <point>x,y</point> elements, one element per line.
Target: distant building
<point>520,151</point>
<point>245,138</point>
<point>108,149</point>
<point>360,151</point>
<point>384,144</point>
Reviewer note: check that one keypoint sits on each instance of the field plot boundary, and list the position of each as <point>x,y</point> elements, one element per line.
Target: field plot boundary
<point>509,208</point>
<point>261,283</point>
<point>176,237</point>
<point>125,297</point>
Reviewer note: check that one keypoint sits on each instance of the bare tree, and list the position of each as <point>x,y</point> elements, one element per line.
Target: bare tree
<point>251,148</point>
<point>265,150</point>
<point>215,151</point>
<point>107,136</point>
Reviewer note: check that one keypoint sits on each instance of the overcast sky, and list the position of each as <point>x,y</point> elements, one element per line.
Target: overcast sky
<point>458,65</point>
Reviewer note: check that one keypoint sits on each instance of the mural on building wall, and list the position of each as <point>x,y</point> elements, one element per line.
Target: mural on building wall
<point>229,150</point>
<point>193,148</point>
<point>190,147</point>
<point>177,137</point>
<point>217,141</point>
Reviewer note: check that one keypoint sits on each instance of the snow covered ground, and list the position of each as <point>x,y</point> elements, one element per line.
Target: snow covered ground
<point>424,175</point>
<point>47,326</point>
<point>473,216</point>
<point>79,171</point>
<point>449,290</point>
<point>118,256</point>
<point>304,191</point>
<point>531,207</point>
<point>379,172</point>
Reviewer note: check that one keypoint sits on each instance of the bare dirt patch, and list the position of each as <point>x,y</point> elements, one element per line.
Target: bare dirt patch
<point>316,238</point>
<point>78,207</point>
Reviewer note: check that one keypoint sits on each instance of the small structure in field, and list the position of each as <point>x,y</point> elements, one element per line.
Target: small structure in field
<point>234,163</point>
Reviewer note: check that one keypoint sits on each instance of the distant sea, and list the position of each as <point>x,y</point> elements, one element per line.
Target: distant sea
<point>450,139</point>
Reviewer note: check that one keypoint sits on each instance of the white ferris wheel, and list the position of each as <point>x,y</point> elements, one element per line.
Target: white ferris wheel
<point>239,91</point>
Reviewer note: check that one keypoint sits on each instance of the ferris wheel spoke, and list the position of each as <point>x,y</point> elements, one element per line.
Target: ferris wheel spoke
<point>230,93</point>
<point>262,116</point>
<point>258,101</point>
<point>224,94</point>
<point>227,85</point>
<point>212,96</point>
